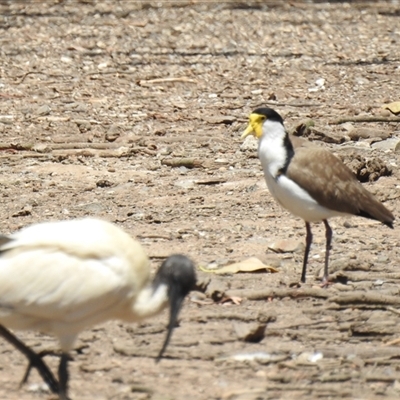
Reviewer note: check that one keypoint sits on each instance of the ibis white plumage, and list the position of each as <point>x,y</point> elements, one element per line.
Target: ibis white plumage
<point>63,277</point>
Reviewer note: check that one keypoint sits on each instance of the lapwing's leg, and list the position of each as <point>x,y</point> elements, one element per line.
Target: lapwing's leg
<point>306,251</point>
<point>328,235</point>
<point>63,376</point>
<point>34,360</point>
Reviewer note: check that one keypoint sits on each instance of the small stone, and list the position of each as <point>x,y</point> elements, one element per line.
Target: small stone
<point>303,128</point>
<point>286,246</point>
<point>83,125</point>
<point>27,210</point>
<point>113,133</point>
<point>43,110</point>
<point>249,144</point>
<point>382,112</point>
<point>42,148</point>
<point>195,295</point>
<point>250,332</point>
<point>348,126</point>
<point>106,366</point>
<point>128,350</point>
<point>216,289</point>
<point>38,387</point>
<point>140,216</point>
<point>102,183</point>
<point>382,259</point>
<point>6,119</point>
<point>66,59</point>
<point>93,207</point>
<point>309,357</point>
<point>366,133</point>
<point>389,144</point>
<point>185,184</point>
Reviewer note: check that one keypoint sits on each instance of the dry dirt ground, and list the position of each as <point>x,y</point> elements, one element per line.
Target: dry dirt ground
<point>132,112</point>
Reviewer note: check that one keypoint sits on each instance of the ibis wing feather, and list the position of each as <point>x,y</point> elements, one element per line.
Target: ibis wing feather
<point>48,276</point>
<point>333,185</point>
<point>57,286</point>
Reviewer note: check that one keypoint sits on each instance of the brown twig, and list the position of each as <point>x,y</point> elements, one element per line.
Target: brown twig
<point>300,104</point>
<point>39,73</point>
<point>61,146</point>
<point>74,149</point>
<point>95,146</point>
<point>365,298</point>
<point>11,96</point>
<point>279,293</point>
<point>166,80</point>
<point>363,119</point>
<point>19,156</point>
<point>16,146</point>
<point>84,152</point>
<point>392,342</point>
<point>29,73</point>
<point>182,162</point>
<point>393,310</point>
<point>154,236</point>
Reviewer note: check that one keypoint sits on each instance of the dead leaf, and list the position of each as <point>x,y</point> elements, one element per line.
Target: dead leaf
<point>394,107</point>
<point>251,264</point>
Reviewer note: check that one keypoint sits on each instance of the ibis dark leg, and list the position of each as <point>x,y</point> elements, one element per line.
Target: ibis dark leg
<point>41,354</point>
<point>34,360</point>
<point>306,251</point>
<point>63,376</point>
<point>328,235</point>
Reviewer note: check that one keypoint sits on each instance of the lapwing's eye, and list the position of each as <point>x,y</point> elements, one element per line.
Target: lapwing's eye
<point>263,118</point>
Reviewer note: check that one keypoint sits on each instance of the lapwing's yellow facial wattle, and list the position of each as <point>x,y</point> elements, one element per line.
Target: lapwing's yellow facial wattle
<point>255,126</point>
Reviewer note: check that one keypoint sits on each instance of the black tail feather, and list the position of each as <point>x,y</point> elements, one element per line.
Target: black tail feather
<point>387,220</point>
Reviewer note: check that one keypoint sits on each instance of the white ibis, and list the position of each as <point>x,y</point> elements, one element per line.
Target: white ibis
<point>63,277</point>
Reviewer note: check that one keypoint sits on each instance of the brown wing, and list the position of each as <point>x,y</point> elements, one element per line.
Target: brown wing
<point>333,185</point>
<point>298,142</point>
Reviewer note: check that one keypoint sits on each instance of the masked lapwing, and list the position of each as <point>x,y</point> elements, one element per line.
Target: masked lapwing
<point>63,277</point>
<point>310,182</point>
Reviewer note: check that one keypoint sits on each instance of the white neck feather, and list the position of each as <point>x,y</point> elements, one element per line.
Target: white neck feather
<point>271,149</point>
<point>150,302</point>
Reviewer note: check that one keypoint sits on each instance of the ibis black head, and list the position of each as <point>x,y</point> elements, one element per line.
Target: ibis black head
<point>269,113</point>
<point>178,273</point>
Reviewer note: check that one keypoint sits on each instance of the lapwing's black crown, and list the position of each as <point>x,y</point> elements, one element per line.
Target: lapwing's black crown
<point>271,114</point>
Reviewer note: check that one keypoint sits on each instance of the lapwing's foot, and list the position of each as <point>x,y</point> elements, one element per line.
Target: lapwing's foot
<point>326,283</point>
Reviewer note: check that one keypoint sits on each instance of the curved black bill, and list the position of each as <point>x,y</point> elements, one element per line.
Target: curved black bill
<point>175,306</point>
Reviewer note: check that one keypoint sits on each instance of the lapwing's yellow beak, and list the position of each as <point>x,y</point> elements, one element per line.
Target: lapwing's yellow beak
<point>255,126</point>
<point>249,131</point>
